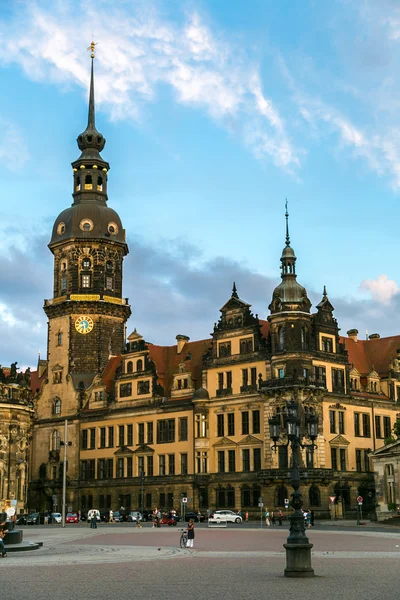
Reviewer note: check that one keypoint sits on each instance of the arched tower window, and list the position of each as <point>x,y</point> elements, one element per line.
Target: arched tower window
<point>78,184</point>
<point>59,339</point>
<point>314,496</point>
<point>139,365</point>
<point>57,406</point>
<point>99,184</point>
<point>129,367</point>
<point>55,440</point>
<point>281,338</point>
<point>304,338</point>
<point>86,278</point>
<point>88,182</point>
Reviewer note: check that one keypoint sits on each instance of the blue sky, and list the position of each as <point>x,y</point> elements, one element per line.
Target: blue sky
<point>214,113</point>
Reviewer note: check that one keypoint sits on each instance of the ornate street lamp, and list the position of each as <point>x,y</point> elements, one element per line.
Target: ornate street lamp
<point>298,548</point>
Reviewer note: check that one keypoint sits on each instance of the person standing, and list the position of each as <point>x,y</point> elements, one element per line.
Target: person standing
<point>273,518</point>
<point>3,532</point>
<point>280,517</point>
<point>312,518</point>
<point>93,521</point>
<point>266,515</point>
<point>190,530</point>
<point>198,516</point>
<point>247,516</point>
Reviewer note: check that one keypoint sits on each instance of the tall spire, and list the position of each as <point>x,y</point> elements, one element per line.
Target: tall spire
<point>91,115</point>
<point>287,224</point>
<point>234,291</point>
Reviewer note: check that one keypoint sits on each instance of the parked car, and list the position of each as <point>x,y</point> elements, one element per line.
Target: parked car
<point>118,516</point>
<point>72,517</point>
<point>21,520</point>
<point>135,516</point>
<point>195,517</point>
<point>96,512</point>
<point>83,516</point>
<point>225,515</point>
<point>56,517</point>
<point>33,519</point>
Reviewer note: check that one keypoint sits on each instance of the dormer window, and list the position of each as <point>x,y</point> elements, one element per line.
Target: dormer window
<point>246,346</point>
<point>129,367</point>
<point>224,349</point>
<point>139,365</point>
<point>57,377</point>
<point>327,344</point>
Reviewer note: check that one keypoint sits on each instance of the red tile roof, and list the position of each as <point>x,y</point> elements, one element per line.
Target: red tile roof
<point>376,354</point>
<point>108,375</point>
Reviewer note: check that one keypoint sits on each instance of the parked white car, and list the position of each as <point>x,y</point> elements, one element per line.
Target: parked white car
<point>96,512</point>
<point>56,517</point>
<point>225,515</point>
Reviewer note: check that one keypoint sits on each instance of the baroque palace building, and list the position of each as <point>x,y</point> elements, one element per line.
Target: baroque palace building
<point>148,425</point>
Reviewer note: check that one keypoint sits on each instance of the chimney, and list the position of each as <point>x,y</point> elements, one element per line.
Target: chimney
<point>353,333</point>
<point>374,336</point>
<point>181,341</point>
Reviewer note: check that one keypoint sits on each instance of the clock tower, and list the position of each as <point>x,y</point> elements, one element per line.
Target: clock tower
<point>87,313</point>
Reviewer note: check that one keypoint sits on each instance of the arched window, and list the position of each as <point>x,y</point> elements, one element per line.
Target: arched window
<point>99,184</point>
<point>304,338</point>
<point>281,338</point>
<point>139,365</point>
<point>314,496</point>
<point>343,491</point>
<point>86,263</point>
<point>78,184</point>
<point>129,367</point>
<point>55,440</point>
<point>57,406</point>
<point>59,339</point>
<point>281,494</point>
<point>109,266</point>
<point>88,182</point>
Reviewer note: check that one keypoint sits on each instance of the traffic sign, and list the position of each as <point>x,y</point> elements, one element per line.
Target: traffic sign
<point>260,504</point>
<point>360,499</point>
<point>260,499</point>
<point>332,499</point>
<point>184,500</point>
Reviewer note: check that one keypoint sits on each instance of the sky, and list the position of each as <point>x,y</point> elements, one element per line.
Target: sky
<point>214,113</point>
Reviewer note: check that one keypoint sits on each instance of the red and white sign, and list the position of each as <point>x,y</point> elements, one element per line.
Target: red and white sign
<point>332,499</point>
<point>360,499</point>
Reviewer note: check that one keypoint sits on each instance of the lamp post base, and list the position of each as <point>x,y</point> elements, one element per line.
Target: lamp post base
<point>298,560</point>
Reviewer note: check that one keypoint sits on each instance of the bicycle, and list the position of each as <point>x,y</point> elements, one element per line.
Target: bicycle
<point>184,538</point>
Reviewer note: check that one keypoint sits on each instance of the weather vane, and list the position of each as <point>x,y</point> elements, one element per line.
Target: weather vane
<point>92,48</point>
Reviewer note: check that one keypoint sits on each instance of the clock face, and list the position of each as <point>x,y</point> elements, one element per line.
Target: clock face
<point>84,324</point>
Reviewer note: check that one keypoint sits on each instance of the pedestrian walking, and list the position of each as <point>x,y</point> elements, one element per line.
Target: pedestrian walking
<point>198,516</point>
<point>3,532</point>
<point>266,515</point>
<point>312,518</point>
<point>280,518</point>
<point>247,516</point>
<point>273,518</point>
<point>190,535</point>
<point>111,517</point>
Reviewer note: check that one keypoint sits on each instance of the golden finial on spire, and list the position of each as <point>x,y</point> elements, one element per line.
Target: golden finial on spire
<point>92,48</point>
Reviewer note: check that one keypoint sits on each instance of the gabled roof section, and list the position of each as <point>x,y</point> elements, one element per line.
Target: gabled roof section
<point>123,451</point>
<point>377,354</point>
<point>339,440</point>
<point>224,442</point>
<point>250,440</point>
<point>394,448</point>
<point>108,375</point>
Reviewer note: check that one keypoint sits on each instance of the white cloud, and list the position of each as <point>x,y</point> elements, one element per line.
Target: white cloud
<point>138,52</point>
<point>381,289</point>
<point>14,152</point>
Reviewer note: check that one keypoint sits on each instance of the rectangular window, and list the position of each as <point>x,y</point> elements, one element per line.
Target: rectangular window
<point>84,469</point>
<point>358,461</point>
<point>162,500</point>
<point>253,372</point>
<point>141,433</point>
<point>84,439</point>
<point>357,431</point>
<point>332,421</point>
<point>283,458</point>
<point>257,459</point>
<point>366,425</point>
<point>320,374</point>
<point>121,435</point>
<point>91,469</point>
<point>161,464</point>
<point>334,458</point>
<point>149,503</point>
<point>183,429</point>
<point>109,283</point>
<point>92,438</point>
<point>224,349</point>
<point>170,500</point>
<point>85,281</point>
<point>125,390</point>
<point>246,460</point>
<point>245,376</point>
<point>120,467</point>
<point>184,464</point>
<point>231,461</point>
<point>129,441</point>
<point>245,422</point>
<point>231,423</point>
<point>221,461</point>
<point>220,381</point>
<point>229,379</point>
<point>341,421</point>
<point>386,427</point>
<point>141,466</point>
<point>327,344</point>
<point>256,421</point>
<point>309,458</point>
<point>143,387</point>
<point>111,437</point>
<point>102,437</point>
<point>101,468</point>
<point>246,346</point>
<point>338,380</point>
<point>171,464</point>
<point>150,433</point>
<point>342,452</point>
<point>378,427</point>
<point>110,468</point>
<point>150,466</point>
<point>220,425</point>
<point>165,431</point>
<point>129,466</point>
<point>281,373</point>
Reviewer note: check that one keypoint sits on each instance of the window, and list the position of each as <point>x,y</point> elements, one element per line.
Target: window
<point>204,462</point>
<point>85,439</point>
<point>220,425</point>
<point>378,427</point>
<point>171,464</point>
<point>87,469</point>
<point>129,466</point>
<point>184,464</point>
<point>129,440</point>
<point>358,461</point>
<point>338,380</point>
<point>59,339</point>
<point>332,421</point>
<point>334,458</point>
<point>220,381</point>
<point>256,421</point>
<point>57,406</point>
<point>224,349</point>
<point>281,373</point>
<point>88,182</point>
<point>257,459</point>
<point>245,422</point>
<point>120,467</point>
<point>253,372</point>
<point>342,453</point>
<point>357,431</point>
<point>141,466</point>
<point>246,460</point>
<point>327,344</point>
<point>229,379</point>
<point>281,339</point>
<point>150,466</point>
<point>283,457</point>
<point>304,338</point>
<point>221,461</point>
<point>341,421</point>
<point>183,429</point>
<point>139,365</point>
<point>165,431</point>
<point>125,390</point>
<point>201,426</point>
<point>366,425</point>
<point>231,461</point>
<point>141,433</point>
<point>170,500</point>
<point>309,458</point>
<point>314,496</point>
<point>129,367</point>
<point>101,468</point>
<point>92,437</point>
<point>231,423</point>
<point>57,377</point>
<point>109,283</point>
<point>109,266</point>
<point>386,427</point>
<point>85,281</point>
<point>121,435</point>
<point>246,346</point>
<point>111,437</point>
<point>86,263</point>
<point>143,387</point>
<point>55,440</point>
<point>245,377</point>
<point>149,433</point>
<point>63,283</point>
<point>102,437</point>
<point>99,184</point>
<point>161,464</point>
<point>320,374</point>
<point>281,494</point>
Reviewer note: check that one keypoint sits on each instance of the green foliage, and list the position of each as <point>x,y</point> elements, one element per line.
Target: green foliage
<point>389,440</point>
<point>396,428</point>
<point>391,506</point>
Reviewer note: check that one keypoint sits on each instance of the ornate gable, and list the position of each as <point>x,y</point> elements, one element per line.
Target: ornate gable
<point>250,440</point>
<point>339,440</point>
<point>123,451</point>
<point>224,442</point>
<point>143,449</point>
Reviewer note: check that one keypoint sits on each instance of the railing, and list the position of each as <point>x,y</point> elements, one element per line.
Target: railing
<point>304,473</point>
<point>245,389</point>
<point>224,392</point>
<point>293,380</point>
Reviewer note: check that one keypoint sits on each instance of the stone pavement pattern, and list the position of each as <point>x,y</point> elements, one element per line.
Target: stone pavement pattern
<point>233,563</point>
